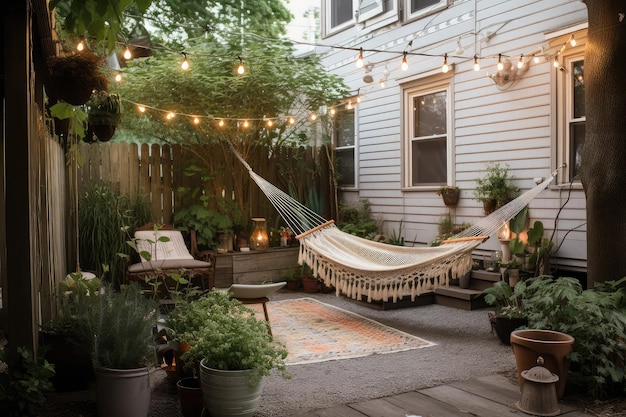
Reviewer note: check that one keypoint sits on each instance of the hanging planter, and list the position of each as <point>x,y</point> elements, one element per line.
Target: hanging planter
<point>449,194</point>
<point>104,112</point>
<point>74,77</point>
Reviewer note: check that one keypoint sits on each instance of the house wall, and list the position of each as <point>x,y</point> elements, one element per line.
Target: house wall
<point>514,125</point>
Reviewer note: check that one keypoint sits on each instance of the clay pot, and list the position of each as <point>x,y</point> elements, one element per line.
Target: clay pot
<point>553,347</point>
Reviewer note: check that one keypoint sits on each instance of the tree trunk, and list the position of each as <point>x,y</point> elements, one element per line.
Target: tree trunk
<point>603,169</point>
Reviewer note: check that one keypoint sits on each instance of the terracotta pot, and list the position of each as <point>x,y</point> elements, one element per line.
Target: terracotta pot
<point>310,285</point>
<point>293,284</point>
<point>552,346</point>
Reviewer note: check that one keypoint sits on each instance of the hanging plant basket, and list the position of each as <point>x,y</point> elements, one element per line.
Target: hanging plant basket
<point>74,77</point>
<point>104,112</point>
<point>450,195</point>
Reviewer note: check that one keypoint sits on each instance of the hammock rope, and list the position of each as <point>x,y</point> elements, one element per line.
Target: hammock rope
<point>360,268</point>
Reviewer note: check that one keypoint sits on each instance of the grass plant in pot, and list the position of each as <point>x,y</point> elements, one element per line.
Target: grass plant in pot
<point>234,352</point>
<point>119,325</point>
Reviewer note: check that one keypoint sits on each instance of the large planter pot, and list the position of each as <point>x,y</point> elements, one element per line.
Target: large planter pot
<point>123,392</point>
<point>553,347</point>
<point>228,393</point>
<point>310,285</point>
<point>190,396</point>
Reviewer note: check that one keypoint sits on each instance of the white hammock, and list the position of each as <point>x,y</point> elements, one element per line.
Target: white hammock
<point>359,267</point>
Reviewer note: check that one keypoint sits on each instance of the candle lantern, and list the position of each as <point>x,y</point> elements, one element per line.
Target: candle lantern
<point>259,240</point>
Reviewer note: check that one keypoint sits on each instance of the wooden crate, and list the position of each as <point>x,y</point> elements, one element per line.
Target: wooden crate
<point>254,267</point>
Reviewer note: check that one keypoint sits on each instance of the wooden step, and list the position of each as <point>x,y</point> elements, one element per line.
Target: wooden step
<point>462,298</point>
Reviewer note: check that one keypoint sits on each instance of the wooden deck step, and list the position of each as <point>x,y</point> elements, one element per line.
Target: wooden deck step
<point>463,298</point>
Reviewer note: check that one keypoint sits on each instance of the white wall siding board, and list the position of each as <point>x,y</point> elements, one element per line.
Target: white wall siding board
<point>511,124</point>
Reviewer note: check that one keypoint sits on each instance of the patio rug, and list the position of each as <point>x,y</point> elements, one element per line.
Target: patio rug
<point>316,332</point>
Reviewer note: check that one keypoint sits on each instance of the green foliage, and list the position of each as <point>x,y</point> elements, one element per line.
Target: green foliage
<point>496,185</point>
<point>104,108</point>
<point>118,326</point>
<point>75,114</point>
<point>228,336</point>
<point>208,223</point>
<point>357,220</point>
<point>102,216</point>
<point>23,385</point>
<point>447,229</point>
<point>506,300</point>
<point>596,318</point>
<point>396,238</point>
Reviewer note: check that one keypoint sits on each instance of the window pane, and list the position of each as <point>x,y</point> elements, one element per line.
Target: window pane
<point>577,140</point>
<point>341,12</point>
<point>429,162</point>
<point>429,114</point>
<point>344,159</point>
<point>579,89</point>
<point>417,5</point>
<point>344,128</point>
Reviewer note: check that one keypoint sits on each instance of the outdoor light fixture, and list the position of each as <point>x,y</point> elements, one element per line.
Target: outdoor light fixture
<point>185,64</point>
<point>259,239</point>
<point>500,64</point>
<point>240,69</point>
<point>459,47</point>
<point>445,68</point>
<point>405,65</point>
<point>520,63</point>
<point>359,61</point>
<point>127,55</point>
<point>476,64</point>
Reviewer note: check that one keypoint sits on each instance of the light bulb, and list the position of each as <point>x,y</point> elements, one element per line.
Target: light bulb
<point>459,47</point>
<point>270,123</point>
<point>445,68</point>
<point>536,59</point>
<point>358,99</point>
<point>520,63</point>
<point>80,46</point>
<point>349,105</point>
<point>196,120</point>
<point>170,116</point>
<point>555,62</point>
<point>185,64</point>
<point>572,41</point>
<point>313,117</point>
<point>221,123</point>
<point>141,109</point>
<point>240,68</point>
<point>291,120</point>
<point>500,64</point>
<point>382,83</point>
<point>332,111</point>
<point>405,65</point>
<point>359,61</point>
<point>127,54</point>
<point>476,64</point>
<point>246,124</point>
<point>118,77</point>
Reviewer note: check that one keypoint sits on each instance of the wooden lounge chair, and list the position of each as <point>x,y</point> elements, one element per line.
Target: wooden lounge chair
<point>169,257</point>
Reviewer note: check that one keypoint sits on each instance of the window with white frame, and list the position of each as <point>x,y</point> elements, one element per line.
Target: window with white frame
<point>345,143</point>
<point>428,157</point>
<point>571,135</point>
<point>418,8</point>
<point>339,14</point>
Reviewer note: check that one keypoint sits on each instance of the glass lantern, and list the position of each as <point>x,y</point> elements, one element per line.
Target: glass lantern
<point>259,239</point>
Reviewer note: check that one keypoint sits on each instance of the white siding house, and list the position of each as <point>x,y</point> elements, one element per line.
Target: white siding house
<point>425,128</point>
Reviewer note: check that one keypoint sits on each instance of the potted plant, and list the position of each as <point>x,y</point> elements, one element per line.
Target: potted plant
<point>234,351</point>
<point>310,283</point>
<point>509,310</point>
<point>293,277</point>
<point>61,338</point>
<point>541,248</point>
<point>73,77</point>
<point>450,194</point>
<point>510,270</point>
<point>118,327</point>
<point>104,112</point>
<point>496,188</point>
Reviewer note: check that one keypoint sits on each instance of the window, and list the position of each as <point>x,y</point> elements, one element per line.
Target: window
<point>427,126</point>
<point>339,14</point>
<point>370,8</point>
<point>345,138</point>
<point>418,8</point>
<point>571,131</point>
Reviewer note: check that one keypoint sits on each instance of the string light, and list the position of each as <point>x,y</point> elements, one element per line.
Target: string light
<point>141,109</point>
<point>170,116</point>
<point>127,55</point>
<point>291,120</point>
<point>405,65</point>
<point>269,123</point>
<point>246,124</point>
<point>520,63</point>
<point>349,105</point>
<point>555,62</point>
<point>445,68</point>
<point>241,69</point>
<point>81,46</point>
<point>572,41</point>
<point>382,83</point>
<point>500,64</point>
<point>196,120</point>
<point>476,64</point>
<point>359,61</point>
<point>331,111</point>
<point>221,123</point>
<point>313,117</point>
<point>185,64</point>
<point>118,77</point>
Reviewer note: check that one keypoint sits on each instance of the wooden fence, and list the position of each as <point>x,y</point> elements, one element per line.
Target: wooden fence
<point>157,172</point>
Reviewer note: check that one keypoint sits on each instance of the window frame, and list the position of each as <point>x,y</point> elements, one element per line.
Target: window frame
<point>327,18</point>
<point>422,87</point>
<point>565,111</point>
<point>353,147</point>
<point>408,16</point>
